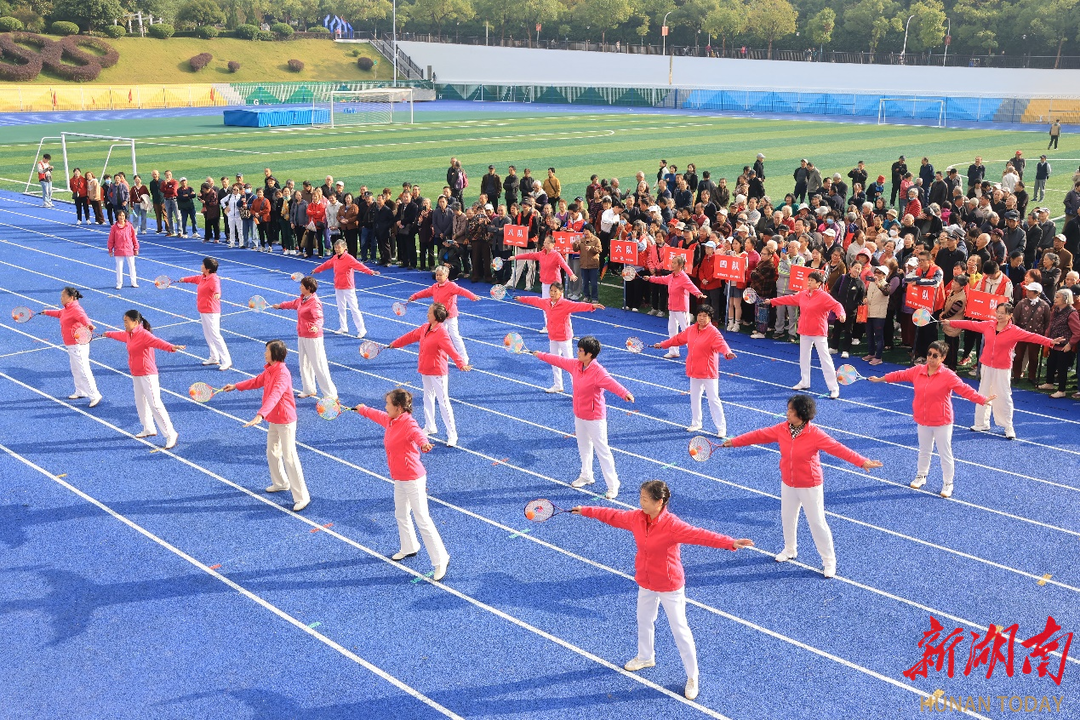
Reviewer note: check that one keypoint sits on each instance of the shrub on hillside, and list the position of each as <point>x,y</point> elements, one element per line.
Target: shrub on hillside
<point>64,28</point>
<point>233,66</point>
<point>282,30</point>
<point>115,31</point>
<point>318,30</point>
<point>295,65</point>
<point>21,64</point>
<point>266,36</point>
<point>161,31</point>
<point>11,24</point>
<point>247,32</point>
<point>200,61</point>
<point>365,63</point>
<point>109,55</point>
<point>207,32</point>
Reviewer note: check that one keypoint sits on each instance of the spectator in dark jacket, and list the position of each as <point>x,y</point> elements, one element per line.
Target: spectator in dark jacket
<point>849,290</point>
<point>491,185</point>
<point>511,186</point>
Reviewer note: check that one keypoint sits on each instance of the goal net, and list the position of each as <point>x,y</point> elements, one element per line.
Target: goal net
<point>380,106</point>
<point>912,111</point>
<point>99,154</point>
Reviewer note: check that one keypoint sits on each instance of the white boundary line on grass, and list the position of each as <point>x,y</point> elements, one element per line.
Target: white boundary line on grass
<point>266,604</point>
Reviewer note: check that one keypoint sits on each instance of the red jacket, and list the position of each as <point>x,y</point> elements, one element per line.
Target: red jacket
<point>208,295</point>
<point>169,188</point>
<point>589,385</point>
<point>557,315</point>
<point>435,347</point>
<point>343,266</point>
<point>706,273</point>
<point>309,315</point>
<point>998,347</point>
<point>932,405</point>
<point>658,564</point>
<point>679,288</point>
<point>402,441</point>
<point>140,346</point>
<point>550,264</point>
<point>278,403</point>
<point>445,293</point>
<point>77,185</point>
<point>814,309</point>
<point>800,465</point>
<point>702,348</point>
<point>316,212</point>
<point>72,317</point>
<point>123,241</point>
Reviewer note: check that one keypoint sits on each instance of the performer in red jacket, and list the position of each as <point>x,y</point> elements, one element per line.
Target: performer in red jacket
<point>800,469</point>
<point>704,344</point>
<point>815,304</point>
<point>208,303</point>
<point>658,571</point>
<point>557,310</point>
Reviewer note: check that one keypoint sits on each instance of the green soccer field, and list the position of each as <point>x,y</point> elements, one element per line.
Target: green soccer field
<point>576,144</point>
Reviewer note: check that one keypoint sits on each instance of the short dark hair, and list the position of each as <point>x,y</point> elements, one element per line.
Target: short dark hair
<point>707,309</point>
<point>210,264</point>
<point>590,345</point>
<point>804,406</point>
<point>310,283</point>
<point>940,346</point>
<point>657,490</point>
<point>400,398</point>
<point>440,312</point>
<point>278,350</point>
<point>1007,306</point>
<point>990,267</point>
<point>818,276</point>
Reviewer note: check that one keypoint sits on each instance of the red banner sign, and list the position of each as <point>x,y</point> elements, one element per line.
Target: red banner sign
<point>516,235</point>
<point>921,296</point>
<point>982,305</point>
<point>624,251</point>
<point>797,281</point>
<point>686,253</point>
<point>564,240</point>
<point>730,267</point>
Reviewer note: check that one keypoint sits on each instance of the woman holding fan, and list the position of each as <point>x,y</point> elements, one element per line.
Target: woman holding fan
<point>435,348</point>
<point>680,286</point>
<point>208,303</point>
<point>447,293</point>
<point>404,441</point>
<point>279,410</point>
<point>72,317</point>
<point>144,374</point>
<point>658,571</point>
<point>343,265</point>
<point>932,407</point>
<point>309,330</point>
<point>590,380</point>
<point>800,470</point>
<point>703,344</point>
<point>557,311</point>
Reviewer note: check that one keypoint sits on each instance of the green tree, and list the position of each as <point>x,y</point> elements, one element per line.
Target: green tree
<point>196,13</point>
<point>871,20</point>
<point>928,26</point>
<point>771,20</point>
<point>532,12</point>
<point>605,14</point>
<point>439,12</point>
<point>498,14</point>
<point>1054,21</point>
<point>977,24</point>
<point>819,29</point>
<point>88,14</point>
<point>727,20</point>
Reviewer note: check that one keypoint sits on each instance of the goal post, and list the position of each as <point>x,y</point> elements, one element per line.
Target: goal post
<point>931,111</point>
<point>86,151</point>
<point>377,106</point>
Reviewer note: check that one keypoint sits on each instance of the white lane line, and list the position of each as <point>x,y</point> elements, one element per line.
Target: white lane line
<point>233,585</point>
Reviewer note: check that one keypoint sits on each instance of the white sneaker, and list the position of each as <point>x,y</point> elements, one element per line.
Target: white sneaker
<point>833,351</point>
<point>835,394</point>
<point>440,571</point>
<point>582,482</point>
<point>170,442</point>
<point>757,335</point>
<point>119,287</point>
<point>918,482</point>
<point>1010,435</point>
<point>146,434</point>
<point>362,334</point>
<point>543,329</point>
<point>638,664</point>
<point>671,356</point>
<point>95,400</point>
<point>431,431</point>
<point>554,389</point>
<point>210,362</point>
<point>275,488</point>
<point>800,386</point>
<point>845,355</point>
<point>301,505</point>
<point>401,555</point>
<point>613,492</point>
<point>226,366</point>
<point>976,428</point>
<point>691,690</point>
<point>856,341</point>
<point>946,490</point>
<point>135,285</point>
<point>693,428</point>
<point>829,571</point>
<point>78,222</point>
<point>75,396</point>
<point>784,556</point>
<point>451,441</point>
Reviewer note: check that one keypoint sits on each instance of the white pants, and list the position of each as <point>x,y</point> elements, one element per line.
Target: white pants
<point>285,470</point>
<point>411,495</point>
<point>995,382</point>
<point>435,388</point>
<point>942,436</point>
<point>806,342</point>
<point>592,435</point>
<point>711,388</point>
<point>79,359</point>
<point>528,267</point>
<point>676,323</point>
<point>234,228</point>
<point>451,326</point>
<point>346,301</point>
<point>148,403</point>
<point>545,291</point>
<point>562,348</point>
<point>120,270</point>
<point>211,330</point>
<point>648,607</point>
<point>313,366</point>
<point>812,500</point>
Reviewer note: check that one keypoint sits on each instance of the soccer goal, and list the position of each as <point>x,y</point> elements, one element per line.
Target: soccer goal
<point>912,110</point>
<point>379,106</point>
<point>87,152</point>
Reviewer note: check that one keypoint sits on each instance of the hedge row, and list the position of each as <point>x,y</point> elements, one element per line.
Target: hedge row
<point>200,61</point>
<point>295,65</point>
<point>18,64</point>
<point>64,58</point>
<point>233,66</point>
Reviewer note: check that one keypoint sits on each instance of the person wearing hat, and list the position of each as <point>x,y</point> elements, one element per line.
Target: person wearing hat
<point>1014,236</point>
<point>759,167</point>
<point>1065,258</point>
<point>1031,314</point>
<point>878,290</point>
<point>1065,323</point>
<point>1018,163</point>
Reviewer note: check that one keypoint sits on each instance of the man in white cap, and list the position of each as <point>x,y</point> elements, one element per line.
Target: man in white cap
<point>1031,314</point>
<point>759,167</point>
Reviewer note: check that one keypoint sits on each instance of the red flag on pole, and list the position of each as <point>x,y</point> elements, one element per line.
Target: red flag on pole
<point>130,98</point>
<point>211,94</point>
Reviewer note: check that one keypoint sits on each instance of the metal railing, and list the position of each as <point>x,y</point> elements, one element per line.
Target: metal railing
<point>405,65</point>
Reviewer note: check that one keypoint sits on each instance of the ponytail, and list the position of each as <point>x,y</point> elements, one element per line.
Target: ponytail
<point>657,490</point>
<point>136,316</point>
<point>73,293</point>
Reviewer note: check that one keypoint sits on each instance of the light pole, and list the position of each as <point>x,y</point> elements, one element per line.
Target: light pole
<point>948,41</point>
<point>394,38</point>
<point>663,32</point>
<point>904,50</point>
